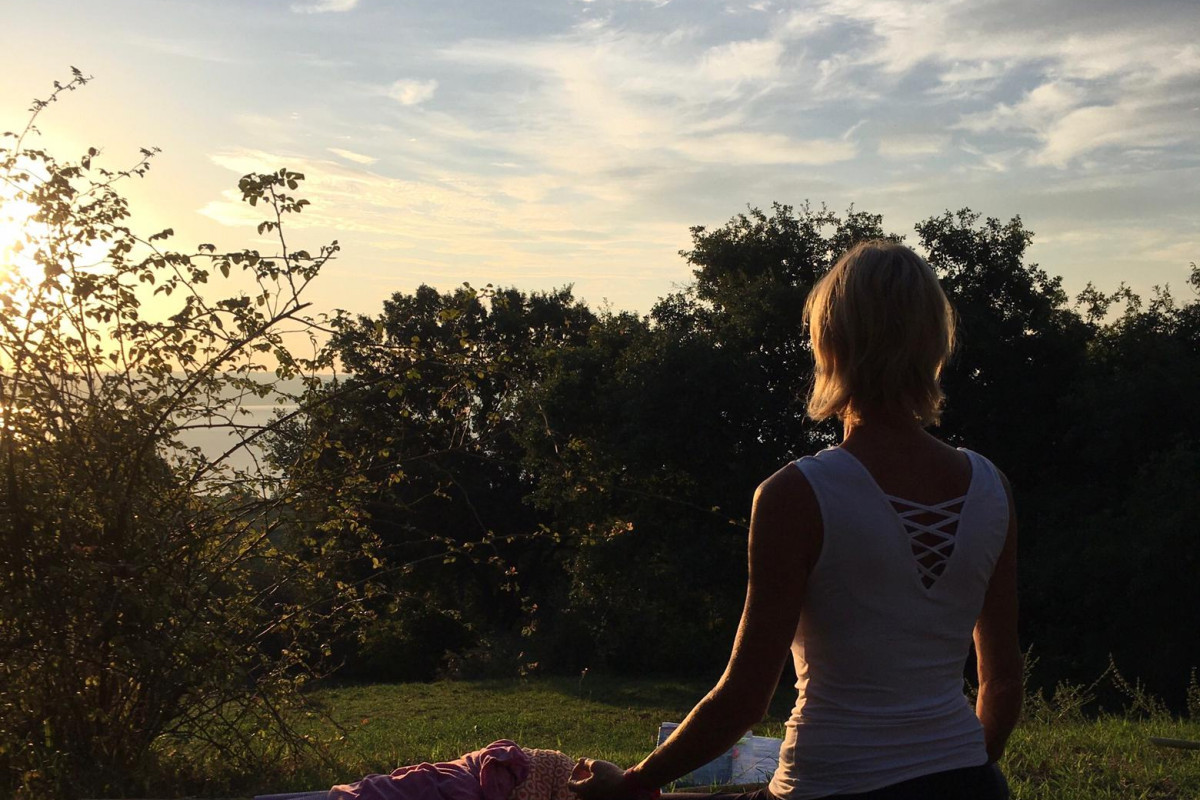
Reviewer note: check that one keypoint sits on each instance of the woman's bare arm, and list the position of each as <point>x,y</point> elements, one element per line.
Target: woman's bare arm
<point>997,647</point>
<point>785,539</point>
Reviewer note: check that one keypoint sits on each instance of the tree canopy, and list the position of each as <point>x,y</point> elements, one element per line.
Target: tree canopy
<point>635,442</point>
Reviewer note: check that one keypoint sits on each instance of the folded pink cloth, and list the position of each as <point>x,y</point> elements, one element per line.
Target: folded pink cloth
<point>488,774</point>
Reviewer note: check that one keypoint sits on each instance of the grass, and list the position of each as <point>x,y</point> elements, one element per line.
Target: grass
<point>376,728</point>
<point>1103,759</point>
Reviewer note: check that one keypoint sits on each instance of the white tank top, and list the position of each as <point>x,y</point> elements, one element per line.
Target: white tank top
<point>885,630</point>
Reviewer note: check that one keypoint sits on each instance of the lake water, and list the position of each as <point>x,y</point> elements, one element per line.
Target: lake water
<point>214,442</point>
<point>258,412</point>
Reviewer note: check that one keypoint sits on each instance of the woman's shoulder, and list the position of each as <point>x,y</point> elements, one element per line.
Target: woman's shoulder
<point>833,463</point>
<point>977,457</point>
<point>787,491</point>
<point>997,474</point>
<point>825,459</point>
<point>786,512</point>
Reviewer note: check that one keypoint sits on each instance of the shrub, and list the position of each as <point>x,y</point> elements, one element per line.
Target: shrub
<point>147,591</point>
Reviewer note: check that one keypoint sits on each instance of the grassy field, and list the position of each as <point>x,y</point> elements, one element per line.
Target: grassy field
<point>376,728</point>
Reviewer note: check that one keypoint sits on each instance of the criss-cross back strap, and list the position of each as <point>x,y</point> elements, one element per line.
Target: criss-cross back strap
<point>931,531</point>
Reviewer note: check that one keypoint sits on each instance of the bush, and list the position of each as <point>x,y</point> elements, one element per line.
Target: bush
<point>413,644</point>
<point>148,592</point>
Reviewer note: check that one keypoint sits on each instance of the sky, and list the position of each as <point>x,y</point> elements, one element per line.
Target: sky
<point>538,144</point>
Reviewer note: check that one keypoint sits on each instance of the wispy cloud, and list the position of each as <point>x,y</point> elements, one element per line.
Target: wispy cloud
<point>908,146</point>
<point>452,212</point>
<point>609,127</point>
<point>350,155</point>
<point>1130,124</point>
<point>409,92</point>
<point>187,48</point>
<point>462,226</point>
<point>770,148</point>
<point>746,60</point>
<point>1038,109</point>
<point>1106,78</point>
<point>324,6</point>
<point>1067,122</point>
<point>609,100</point>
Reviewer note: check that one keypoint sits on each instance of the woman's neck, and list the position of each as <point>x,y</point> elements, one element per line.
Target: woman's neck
<point>881,426</point>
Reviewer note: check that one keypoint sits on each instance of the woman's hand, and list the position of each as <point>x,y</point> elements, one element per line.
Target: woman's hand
<point>599,780</point>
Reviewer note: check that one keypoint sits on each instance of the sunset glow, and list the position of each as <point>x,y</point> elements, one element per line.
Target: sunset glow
<point>16,264</point>
<point>542,144</point>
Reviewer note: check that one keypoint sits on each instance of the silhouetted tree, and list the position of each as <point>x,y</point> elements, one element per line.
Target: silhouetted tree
<point>149,594</point>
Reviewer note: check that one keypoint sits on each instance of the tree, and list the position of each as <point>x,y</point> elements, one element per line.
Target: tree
<point>654,432</point>
<point>1020,344</point>
<point>1121,513</point>
<point>431,415</point>
<point>149,594</point>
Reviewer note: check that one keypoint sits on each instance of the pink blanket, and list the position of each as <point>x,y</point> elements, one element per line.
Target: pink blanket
<point>488,774</point>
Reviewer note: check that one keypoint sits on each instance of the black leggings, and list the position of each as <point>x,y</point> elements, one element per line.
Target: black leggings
<point>985,782</point>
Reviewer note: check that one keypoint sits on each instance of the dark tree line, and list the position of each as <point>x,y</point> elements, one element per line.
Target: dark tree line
<point>567,488</point>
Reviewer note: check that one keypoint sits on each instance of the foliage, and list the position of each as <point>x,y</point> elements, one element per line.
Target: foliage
<point>426,420</point>
<point>150,594</point>
<point>657,429</point>
<point>1131,523</point>
<point>634,445</point>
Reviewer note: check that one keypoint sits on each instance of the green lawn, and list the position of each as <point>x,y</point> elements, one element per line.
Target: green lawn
<point>383,726</point>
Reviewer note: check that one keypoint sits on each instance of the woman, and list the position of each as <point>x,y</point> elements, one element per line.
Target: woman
<point>874,562</point>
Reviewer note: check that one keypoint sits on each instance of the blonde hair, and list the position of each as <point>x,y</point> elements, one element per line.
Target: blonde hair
<point>881,331</point>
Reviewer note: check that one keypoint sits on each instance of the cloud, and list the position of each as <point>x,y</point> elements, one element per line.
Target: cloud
<point>970,80</point>
<point>324,6</point>
<point>1034,112</point>
<point>455,226</point>
<point>625,123</point>
<point>992,160</point>
<point>350,155</point>
<point>747,60</point>
<point>908,146</point>
<point>604,100</point>
<point>412,92</point>
<point>448,210</point>
<point>184,48</point>
<point>1068,122</point>
<point>769,148</point>
<point>1128,124</point>
<point>1103,77</point>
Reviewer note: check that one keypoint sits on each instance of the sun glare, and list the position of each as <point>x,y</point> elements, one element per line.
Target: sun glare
<point>15,264</point>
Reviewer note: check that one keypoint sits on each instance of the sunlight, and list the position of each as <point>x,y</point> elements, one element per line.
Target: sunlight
<point>20,272</point>
<point>15,266</point>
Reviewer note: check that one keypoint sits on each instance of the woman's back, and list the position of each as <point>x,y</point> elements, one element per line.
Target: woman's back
<point>910,536</point>
<point>875,563</point>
